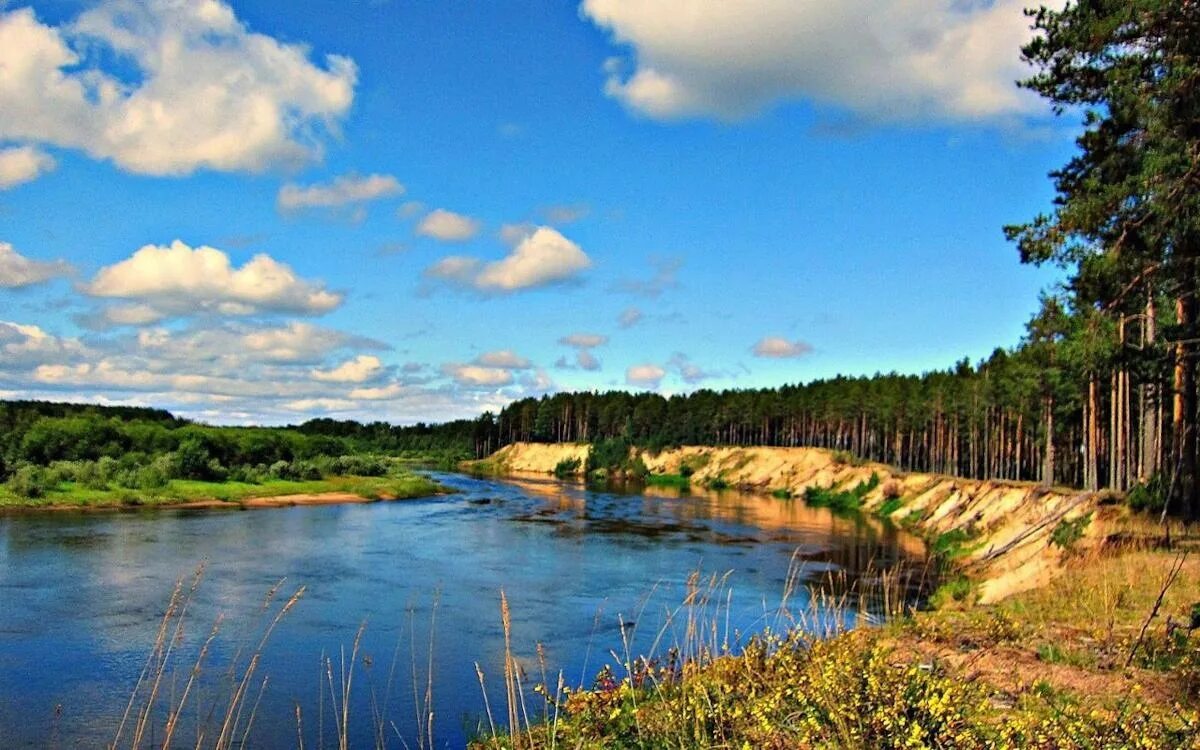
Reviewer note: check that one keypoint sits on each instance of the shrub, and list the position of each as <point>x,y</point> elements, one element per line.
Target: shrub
<point>151,477</point>
<point>567,467</point>
<point>1149,496</point>
<point>1067,533</point>
<point>29,482</point>
<point>956,590</point>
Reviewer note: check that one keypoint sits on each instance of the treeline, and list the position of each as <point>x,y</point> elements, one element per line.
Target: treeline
<point>45,443</point>
<point>1020,414</point>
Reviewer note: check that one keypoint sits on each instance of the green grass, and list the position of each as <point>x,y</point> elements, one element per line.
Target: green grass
<point>781,494</point>
<point>841,501</point>
<point>401,485</point>
<point>668,480</point>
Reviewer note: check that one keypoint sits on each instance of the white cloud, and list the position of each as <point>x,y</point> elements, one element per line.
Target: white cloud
<point>379,393</point>
<point>17,271</point>
<point>132,315</point>
<point>888,60</point>
<point>358,370</point>
<point>28,345</point>
<point>474,376</point>
<point>542,258</point>
<point>584,340</point>
<point>183,280</point>
<point>504,359</point>
<point>22,164</point>
<point>629,317</point>
<point>448,226</point>
<point>194,88</point>
<point>345,190</point>
<point>774,347</point>
<point>645,376</point>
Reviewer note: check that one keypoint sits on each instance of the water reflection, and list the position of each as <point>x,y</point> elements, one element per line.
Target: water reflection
<point>81,594</point>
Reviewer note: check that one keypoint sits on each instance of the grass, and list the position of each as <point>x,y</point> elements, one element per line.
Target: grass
<point>669,480</point>
<point>400,485</point>
<point>1044,669</point>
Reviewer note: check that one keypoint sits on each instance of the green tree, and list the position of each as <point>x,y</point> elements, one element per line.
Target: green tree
<point>1132,191</point>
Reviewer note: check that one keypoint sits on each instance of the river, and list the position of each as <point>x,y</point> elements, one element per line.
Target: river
<point>584,571</point>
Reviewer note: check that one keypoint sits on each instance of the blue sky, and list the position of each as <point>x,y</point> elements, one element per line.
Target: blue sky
<point>420,210</point>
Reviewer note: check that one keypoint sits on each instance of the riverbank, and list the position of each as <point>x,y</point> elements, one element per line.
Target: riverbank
<point>1099,657</point>
<point>1004,537</point>
<point>188,494</point>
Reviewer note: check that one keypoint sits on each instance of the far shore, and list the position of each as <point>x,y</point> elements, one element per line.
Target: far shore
<point>212,503</point>
<point>183,495</point>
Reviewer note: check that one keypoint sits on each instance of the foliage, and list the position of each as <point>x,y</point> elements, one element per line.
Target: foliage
<point>1067,533</point>
<point>28,481</point>
<point>568,467</point>
<point>841,501</point>
<point>958,589</point>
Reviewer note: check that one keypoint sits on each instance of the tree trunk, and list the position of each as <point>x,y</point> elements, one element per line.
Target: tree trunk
<point>1184,412</point>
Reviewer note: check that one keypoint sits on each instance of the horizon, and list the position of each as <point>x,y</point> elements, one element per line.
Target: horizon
<point>423,213</point>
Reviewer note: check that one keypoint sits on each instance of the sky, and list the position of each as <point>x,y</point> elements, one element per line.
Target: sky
<point>408,211</point>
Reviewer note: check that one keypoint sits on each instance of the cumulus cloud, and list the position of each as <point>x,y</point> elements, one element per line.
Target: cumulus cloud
<point>645,376</point>
<point>164,87</point>
<point>29,345</point>
<point>233,372</point>
<point>18,271</point>
<point>503,358</point>
<point>21,164</point>
<point>775,347</point>
<point>629,317</point>
<point>447,226</point>
<point>183,280</point>
<point>475,376</point>
<point>542,258</point>
<point>945,60</point>
<point>346,190</point>
<point>358,370</point>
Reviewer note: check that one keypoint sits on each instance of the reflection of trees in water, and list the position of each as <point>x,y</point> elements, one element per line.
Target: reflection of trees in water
<point>856,548</point>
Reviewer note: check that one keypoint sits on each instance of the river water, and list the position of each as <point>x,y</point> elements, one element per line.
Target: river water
<point>585,572</point>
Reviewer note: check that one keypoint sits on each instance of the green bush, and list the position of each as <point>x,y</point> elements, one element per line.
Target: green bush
<point>29,481</point>
<point>1067,533</point>
<point>1149,496</point>
<point>568,467</point>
